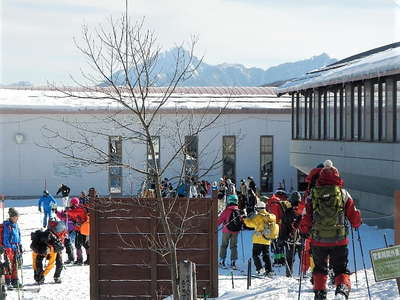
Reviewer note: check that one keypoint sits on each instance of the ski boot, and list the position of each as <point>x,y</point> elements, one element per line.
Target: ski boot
<point>16,284</point>
<point>233,265</point>
<point>222,263</point>
<point>342,292</point>
<point>57,280</point>
<point>320,295</point>
<point>87,261</point>
<point>260,271</point>
<point>78,262</point>
<point>68,262</point>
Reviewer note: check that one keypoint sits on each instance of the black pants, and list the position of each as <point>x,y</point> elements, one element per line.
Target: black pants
<point>337,259</point>
<point>39,266</point>
<point>81,240</point>
<point>264,250</point>
<point>69,249</point>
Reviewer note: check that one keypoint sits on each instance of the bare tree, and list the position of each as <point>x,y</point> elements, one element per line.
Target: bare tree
<point>123,69</point>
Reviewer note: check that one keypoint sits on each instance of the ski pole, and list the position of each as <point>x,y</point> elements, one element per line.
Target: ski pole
<point>362,256</point>
<point>386,243</point>
<point>354,256</point>
<point>241,238</point>
<point>249,273</point>
<point>301,262</point>
<point>233,283</point>
<point>16,264</point>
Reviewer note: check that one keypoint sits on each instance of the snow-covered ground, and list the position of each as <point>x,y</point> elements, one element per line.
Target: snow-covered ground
<point>75,279</point>
<point>281,287</point>
<point>76,283</point>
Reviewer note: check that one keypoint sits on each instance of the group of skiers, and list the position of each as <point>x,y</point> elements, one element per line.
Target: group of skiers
<point>313,225</point>
<point>61,229</point>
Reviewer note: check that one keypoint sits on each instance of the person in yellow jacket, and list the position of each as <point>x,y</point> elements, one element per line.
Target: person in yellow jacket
<point>265,230</point>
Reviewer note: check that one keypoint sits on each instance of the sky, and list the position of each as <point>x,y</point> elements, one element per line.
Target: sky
<point>37,35</point>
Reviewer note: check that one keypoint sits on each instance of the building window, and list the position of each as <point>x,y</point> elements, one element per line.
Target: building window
<point>294,116</point>
<point>229,157</point>
<point>191,157</point>
<point>376,120</point>
<point>301,181</point>
<point>341,114</point>
<point>266,163</point>
<point>310,115</point>
<point>390,111</point>
<point>302,115</point>
<point>115,161</point>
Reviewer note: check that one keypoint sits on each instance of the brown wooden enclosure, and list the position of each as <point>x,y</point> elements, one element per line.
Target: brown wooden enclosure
<point>121,264</point>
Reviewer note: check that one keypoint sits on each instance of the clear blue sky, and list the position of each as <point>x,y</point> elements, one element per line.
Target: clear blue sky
<point>36,35</point>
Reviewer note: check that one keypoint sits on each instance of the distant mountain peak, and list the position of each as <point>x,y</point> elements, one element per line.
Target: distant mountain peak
<point>228,74</point>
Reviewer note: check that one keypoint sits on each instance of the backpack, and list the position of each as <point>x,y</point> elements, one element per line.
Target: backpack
<point>39,242</point>
<point>235,221</point>
<point>328,206</point>
<point>271,231</point>
<point>288,218</point>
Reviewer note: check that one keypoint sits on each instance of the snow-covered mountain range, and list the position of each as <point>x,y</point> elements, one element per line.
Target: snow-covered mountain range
<point>232,74</point>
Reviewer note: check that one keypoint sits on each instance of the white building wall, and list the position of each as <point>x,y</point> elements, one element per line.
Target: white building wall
<point>26,167</point>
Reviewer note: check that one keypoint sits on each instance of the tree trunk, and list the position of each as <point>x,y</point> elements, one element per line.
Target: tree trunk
<point>170,242</point>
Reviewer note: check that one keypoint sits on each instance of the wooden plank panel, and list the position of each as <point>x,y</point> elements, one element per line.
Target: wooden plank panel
<point>137,240</point>
<point>202,272</point>
<point>108,225</point>
<point>109,272</point>
<point>107,297</point>
<point>124,288</point>
<point>123,256</point>
<point>200,256</point>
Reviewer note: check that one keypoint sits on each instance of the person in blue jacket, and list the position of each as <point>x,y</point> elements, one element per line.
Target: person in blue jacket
<point>47,201</point>
<point>12,248</point>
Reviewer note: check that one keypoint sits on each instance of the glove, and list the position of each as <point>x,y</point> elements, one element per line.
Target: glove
<point>40,209</point>
<point>304,235</point>
<point>19,260</point>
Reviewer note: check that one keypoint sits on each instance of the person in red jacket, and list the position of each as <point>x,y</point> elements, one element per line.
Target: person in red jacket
<point>78,214</point>
<point>328,232</point>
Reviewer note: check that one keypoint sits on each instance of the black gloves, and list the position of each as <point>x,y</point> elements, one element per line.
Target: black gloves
<point>40,209</point>
<point>304,235</point>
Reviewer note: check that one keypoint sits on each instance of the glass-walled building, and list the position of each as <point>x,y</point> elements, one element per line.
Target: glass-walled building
<point>349,112</point>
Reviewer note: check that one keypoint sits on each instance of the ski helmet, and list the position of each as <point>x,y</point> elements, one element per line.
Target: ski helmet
<point>46,192</point>
<point>232,199</point>
<point>60,227</point>
<point>74,201</point>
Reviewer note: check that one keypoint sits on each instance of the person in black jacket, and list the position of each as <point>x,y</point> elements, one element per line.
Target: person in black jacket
<point>64,190</point>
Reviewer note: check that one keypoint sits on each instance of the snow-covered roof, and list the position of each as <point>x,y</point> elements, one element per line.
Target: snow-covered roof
<point>34,100</point>
<point>375,63</point>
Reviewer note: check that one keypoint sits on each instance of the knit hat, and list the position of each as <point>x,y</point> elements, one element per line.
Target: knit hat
<point>329,175</point>
<point>232,199</point>
<point>12,212</point>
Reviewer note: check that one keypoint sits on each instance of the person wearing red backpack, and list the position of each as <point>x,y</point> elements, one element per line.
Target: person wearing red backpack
<point>327,209</point>
<point>78,214</point>
<point>230,218</point>
<point>13,248</point>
